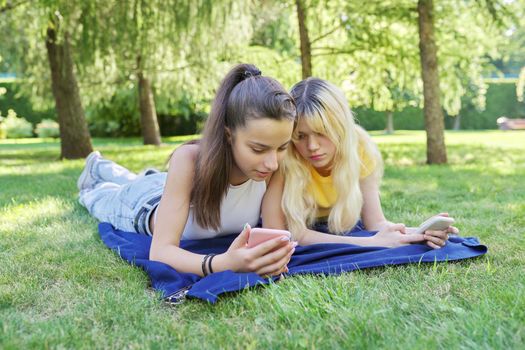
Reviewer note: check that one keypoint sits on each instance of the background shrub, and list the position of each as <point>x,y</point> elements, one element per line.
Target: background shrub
<point>3,132</point>
<point>501,100</point>
<point>118,115</point>
<point>20,103</point>
<point>17,127</point>
<point>47,128</point>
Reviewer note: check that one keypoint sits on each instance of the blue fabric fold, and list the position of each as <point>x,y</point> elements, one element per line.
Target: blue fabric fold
<point>326,259</point>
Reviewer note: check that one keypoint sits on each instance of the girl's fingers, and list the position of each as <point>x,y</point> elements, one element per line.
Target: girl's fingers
<point>439,241</point>
<point>273,273</point>
<point>412,238</point>
<point>242,239</point>
<point>278,257</point>
<point>397,227</point>
<point>452,229</point>
<point>270,245</point>
<point>284,269</point>
<point>433,245</point>
<point>439,234</point>
<point>276,267</point>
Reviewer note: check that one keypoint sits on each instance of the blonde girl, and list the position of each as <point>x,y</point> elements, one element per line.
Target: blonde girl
<point>331,175</point>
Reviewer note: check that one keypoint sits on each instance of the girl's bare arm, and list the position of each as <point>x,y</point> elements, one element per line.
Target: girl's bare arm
<point>172,214</point>
<point>372,212</point>
<point>271,211</point>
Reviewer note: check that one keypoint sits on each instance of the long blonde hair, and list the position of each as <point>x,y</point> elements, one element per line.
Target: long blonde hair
<point>326,110</point>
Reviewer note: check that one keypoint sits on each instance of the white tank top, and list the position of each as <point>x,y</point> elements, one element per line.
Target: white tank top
<point>240,205</point>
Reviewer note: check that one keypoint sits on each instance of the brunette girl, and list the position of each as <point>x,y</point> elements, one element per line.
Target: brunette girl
<point>213,187</point>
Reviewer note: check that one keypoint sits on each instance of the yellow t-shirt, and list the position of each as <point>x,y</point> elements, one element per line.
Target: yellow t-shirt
<point>322,187</point>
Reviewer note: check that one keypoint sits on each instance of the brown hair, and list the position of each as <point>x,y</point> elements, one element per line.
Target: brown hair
<point>242,95</point>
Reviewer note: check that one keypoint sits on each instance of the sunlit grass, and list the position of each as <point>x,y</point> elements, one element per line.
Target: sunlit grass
<point>60,287</point>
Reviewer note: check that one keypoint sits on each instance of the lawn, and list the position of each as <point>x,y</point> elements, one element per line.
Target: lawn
<point>60,287</point>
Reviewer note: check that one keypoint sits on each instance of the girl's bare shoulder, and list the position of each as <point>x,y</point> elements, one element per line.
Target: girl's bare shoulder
<point>184,157</point>
<point>185,152</point>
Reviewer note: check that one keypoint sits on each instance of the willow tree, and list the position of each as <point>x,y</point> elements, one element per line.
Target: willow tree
<point>162,45</point>
<point>513,58</point>
<point>520,85</point>
<point>304,39</point>
<point>172,45</point>
<point>49,31</point>
<point>75,141</point>
<point>53,73</point>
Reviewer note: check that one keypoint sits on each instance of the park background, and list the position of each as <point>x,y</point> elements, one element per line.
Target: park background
<point>119,66</point>
<point>135,79</point>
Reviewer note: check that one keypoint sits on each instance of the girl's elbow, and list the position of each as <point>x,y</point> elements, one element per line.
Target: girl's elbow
<point>162,252</point>
<point>155,253</point>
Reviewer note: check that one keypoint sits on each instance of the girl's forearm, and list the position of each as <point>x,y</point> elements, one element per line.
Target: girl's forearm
<point>308,237</point>
<point>185,261</point>
<point>377,225</point>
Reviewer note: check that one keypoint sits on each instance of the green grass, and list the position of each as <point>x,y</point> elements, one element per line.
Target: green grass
<point>60,287</point>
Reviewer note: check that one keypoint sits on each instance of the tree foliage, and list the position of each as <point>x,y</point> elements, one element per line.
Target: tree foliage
<point>369,49</point>
<point>180,42</point>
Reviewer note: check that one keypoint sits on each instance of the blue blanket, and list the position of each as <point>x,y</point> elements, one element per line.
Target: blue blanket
<point>327,259</point>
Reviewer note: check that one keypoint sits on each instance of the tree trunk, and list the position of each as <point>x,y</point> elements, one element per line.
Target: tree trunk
<point>75,141</point>
<point>389,122</point>
<point>520,85</point>
<point>457,122</point>
<point>434,120</point>
<point>306,54</point>
<point>148,115</point>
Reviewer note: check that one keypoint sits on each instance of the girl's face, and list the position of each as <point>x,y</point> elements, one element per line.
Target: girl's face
<point>258,147</point>
<point>316,148</point>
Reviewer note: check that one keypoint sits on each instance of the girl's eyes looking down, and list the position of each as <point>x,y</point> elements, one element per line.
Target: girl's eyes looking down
<point>302,136</point>
<point>260,150</point>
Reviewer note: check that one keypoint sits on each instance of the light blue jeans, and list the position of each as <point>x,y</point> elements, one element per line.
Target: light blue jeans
<point>121,197</point>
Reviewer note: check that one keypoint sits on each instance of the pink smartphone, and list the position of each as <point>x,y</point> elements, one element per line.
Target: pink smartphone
<point>259,235</point>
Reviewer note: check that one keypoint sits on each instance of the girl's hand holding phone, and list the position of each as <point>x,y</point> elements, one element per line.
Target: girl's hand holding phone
<point>268,258</point>
<point>437,238</point>
<point>435,230</point>
<point>395,235</point>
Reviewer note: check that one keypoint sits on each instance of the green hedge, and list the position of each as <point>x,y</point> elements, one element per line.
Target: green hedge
<point>500,101</point>
<point>119,116</point>
<point>14,100</point>
<point>409,118</point>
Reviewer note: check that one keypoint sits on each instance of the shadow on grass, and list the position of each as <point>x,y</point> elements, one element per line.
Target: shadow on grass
<point>21,189</point>
<point>13,159</point>
<point>406,155</point>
